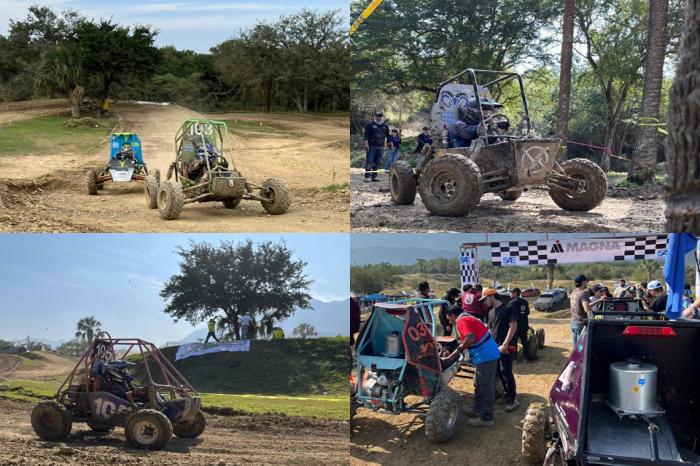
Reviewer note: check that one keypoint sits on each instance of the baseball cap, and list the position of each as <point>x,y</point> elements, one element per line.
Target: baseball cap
<point>488,292</point>
<point>598,287</point>
<point>378,113</point>
<point>654,285</point>
<point>581,278</point>
<point>515,290</point>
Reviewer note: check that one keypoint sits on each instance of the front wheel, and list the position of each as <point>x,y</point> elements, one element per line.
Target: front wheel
<point>591,190</point>
<point>276,193</point>
<point>149,429</point>
<point>450,185</point>
<point>150,189</point>
<point>534,441</point>
<point>231,203</point>
<point>170,200</point>
<point>192,428</point>
<point>91,182</point>
<point>443,416</point>
<point>51,421</point>
<point>402,183</point>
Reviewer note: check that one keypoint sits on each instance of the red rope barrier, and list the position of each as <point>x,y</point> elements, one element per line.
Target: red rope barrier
<point>605,150</point>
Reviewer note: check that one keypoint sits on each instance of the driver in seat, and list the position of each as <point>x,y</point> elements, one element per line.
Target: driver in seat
<point>196,170</point>
<point>125,152</point>
<point>468,125</point>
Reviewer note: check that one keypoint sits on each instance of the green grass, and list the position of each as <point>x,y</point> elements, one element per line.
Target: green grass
<point>27,390</point>
<point>46,135</point>
<point>335,187</point>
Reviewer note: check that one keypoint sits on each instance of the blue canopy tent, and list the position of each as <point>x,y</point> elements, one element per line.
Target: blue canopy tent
<point>374,298</point>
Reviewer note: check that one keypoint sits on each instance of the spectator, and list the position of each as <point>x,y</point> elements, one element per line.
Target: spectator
<point>355,319</point>
<point>376,134</point>
<point>580,306</point>
<point>472,305</point>
<point>503,325</point>
<point>620,288</point>
<point>658,295</point>
<point>599,293</point>
<point>423,139</point>
<point>687,296</point>
<point>522,311</point>
<point>393,153</point>
<point>451,297</point>
<point>424,291</point>
<point>693,310</point>
<point>483,353</point>
<point>212,331</point>
<point>643,293</point>
<point>245,323</point>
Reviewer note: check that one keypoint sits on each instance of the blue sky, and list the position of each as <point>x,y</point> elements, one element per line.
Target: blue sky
<point>49,281</point>
<point>186,24</point>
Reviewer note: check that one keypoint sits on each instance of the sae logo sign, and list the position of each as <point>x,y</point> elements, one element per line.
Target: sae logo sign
<point>662,253</point>
<point>509,260</point>
<point>465,260</point>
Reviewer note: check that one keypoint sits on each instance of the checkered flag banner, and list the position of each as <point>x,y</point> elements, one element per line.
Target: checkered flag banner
<point>579,250</point>
<point>469,265</point>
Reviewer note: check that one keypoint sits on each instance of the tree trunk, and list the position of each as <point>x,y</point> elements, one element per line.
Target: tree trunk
<point>76,100</point>
<point>550,276</point>
<point>644,159</point>
<point>565,70</point>
<point>683,159</point>
<point>306,97</point>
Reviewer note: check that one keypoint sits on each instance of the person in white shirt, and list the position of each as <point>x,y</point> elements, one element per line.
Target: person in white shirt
<point>245,323</point>
<point>622,285</point>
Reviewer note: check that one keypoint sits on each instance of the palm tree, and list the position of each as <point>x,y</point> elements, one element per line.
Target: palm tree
<point>644,160</point>
<point>60,71</point>
<point>567,52</point>
<point>87,328</point>
<point>683,190</point>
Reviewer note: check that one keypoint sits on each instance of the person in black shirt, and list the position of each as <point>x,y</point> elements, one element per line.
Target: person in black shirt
<point>659,296</point>
<point>376,135</point>
<point>451,297</point>
<point>503,326</point>
<point>521,308</point>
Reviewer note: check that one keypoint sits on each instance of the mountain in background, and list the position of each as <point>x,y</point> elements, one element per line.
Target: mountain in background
<point>398,255</point>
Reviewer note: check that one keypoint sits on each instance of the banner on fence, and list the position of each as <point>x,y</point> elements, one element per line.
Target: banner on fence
<point>198,349</point>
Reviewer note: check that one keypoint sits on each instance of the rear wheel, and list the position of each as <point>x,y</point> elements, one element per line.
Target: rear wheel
<point>540,335</point>
<point>91,182</point>
<point>149,429</point>
<point>170,200</point>
<point>277,193</point>
<point>450,185</point>
<point>192,428</point>
<point>533,344</point>
<point>51,421</point>
<point>591,192</point>
<point>534,441</point>
<point>443,416</point>
<point>151,191</point>
<point>402,183</point>
<point>511,194</point>
<point>231,203</point>
<point>156,174</point>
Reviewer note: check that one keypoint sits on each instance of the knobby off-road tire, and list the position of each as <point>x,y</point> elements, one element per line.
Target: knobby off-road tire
<point>533,344</point>
<point>402,183</point>
<point>91,182</point>
<point>593,192</point>
<point>171,169</point>
<point>540,335</point>
<point>442,419</point>
<point>149,429</point>
<point>450,185</point>
<point>170,200</point>
<point>511,194</point>
<point>278,192</point>
<point>51,421</point>
<point>231,203</point>
<point>150,189</point>
<point>534,441</point>
<point>192,428</point>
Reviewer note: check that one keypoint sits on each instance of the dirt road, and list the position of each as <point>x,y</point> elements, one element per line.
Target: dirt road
<point>372,210</point>
<point>400,440</point>
<point>228,440</point>
<point>46,193</point>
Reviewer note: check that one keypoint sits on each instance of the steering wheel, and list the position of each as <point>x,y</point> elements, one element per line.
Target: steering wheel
<point>220,163</point>
<point>497,118</point>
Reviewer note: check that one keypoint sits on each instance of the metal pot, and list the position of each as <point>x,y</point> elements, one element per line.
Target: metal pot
<point>393,346</point>
<point>633,387</point>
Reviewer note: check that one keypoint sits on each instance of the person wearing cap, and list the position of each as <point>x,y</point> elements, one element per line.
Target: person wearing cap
<point>503,325</point>
<point>599,293</point>
<point>423,139</point>
<point>376,135</point>
<point>580,306</point>
<point>658,296</point>
<point>450,296</point>
<point>474,337</point>
<point>522,312</point>
<point>424,290</point>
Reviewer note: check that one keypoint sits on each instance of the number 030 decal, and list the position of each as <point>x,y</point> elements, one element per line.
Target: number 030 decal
<point>420,330</point>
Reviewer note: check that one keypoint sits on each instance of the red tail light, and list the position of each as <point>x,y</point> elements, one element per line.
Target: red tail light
<point>643,331</point>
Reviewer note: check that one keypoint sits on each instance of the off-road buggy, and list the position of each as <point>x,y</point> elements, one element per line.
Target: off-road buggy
<point>503,159</point>
<point>398,356</point>
<point>125,164</point>
<point>203,174</point>
<point>629,394</point>
<point>103,392</point>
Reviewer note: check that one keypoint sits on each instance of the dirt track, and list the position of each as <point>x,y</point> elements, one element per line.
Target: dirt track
<point>372,210</point>
<point>228,440</point>
<point>46,193</point>
<point>400,440</point>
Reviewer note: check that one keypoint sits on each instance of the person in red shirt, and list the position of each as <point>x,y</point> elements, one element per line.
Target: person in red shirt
<point>471,302</point>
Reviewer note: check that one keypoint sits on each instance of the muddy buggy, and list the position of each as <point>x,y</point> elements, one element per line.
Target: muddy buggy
<point>502,159</point>
<point>398,355</point>
<point>125,164</point>
<point>203,174</point>
<point>627,395</point>
<point>102,392</point>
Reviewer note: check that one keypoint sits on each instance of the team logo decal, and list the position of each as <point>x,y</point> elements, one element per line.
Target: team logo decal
<point>535,159</point>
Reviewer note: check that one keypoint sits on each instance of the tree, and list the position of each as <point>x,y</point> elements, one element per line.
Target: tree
<point>650,270</point>
<point>116,54</point>
<point>567,52</point>
<point>304,330</point>
<point>75,348</point>
<point>643,167</point>
<point>233,278</point>
<point>60,72</point>
<point>87,327</point>
<point>683,165</point>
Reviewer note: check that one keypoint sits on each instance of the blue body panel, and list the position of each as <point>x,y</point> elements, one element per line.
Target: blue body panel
<point>117,140</point>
